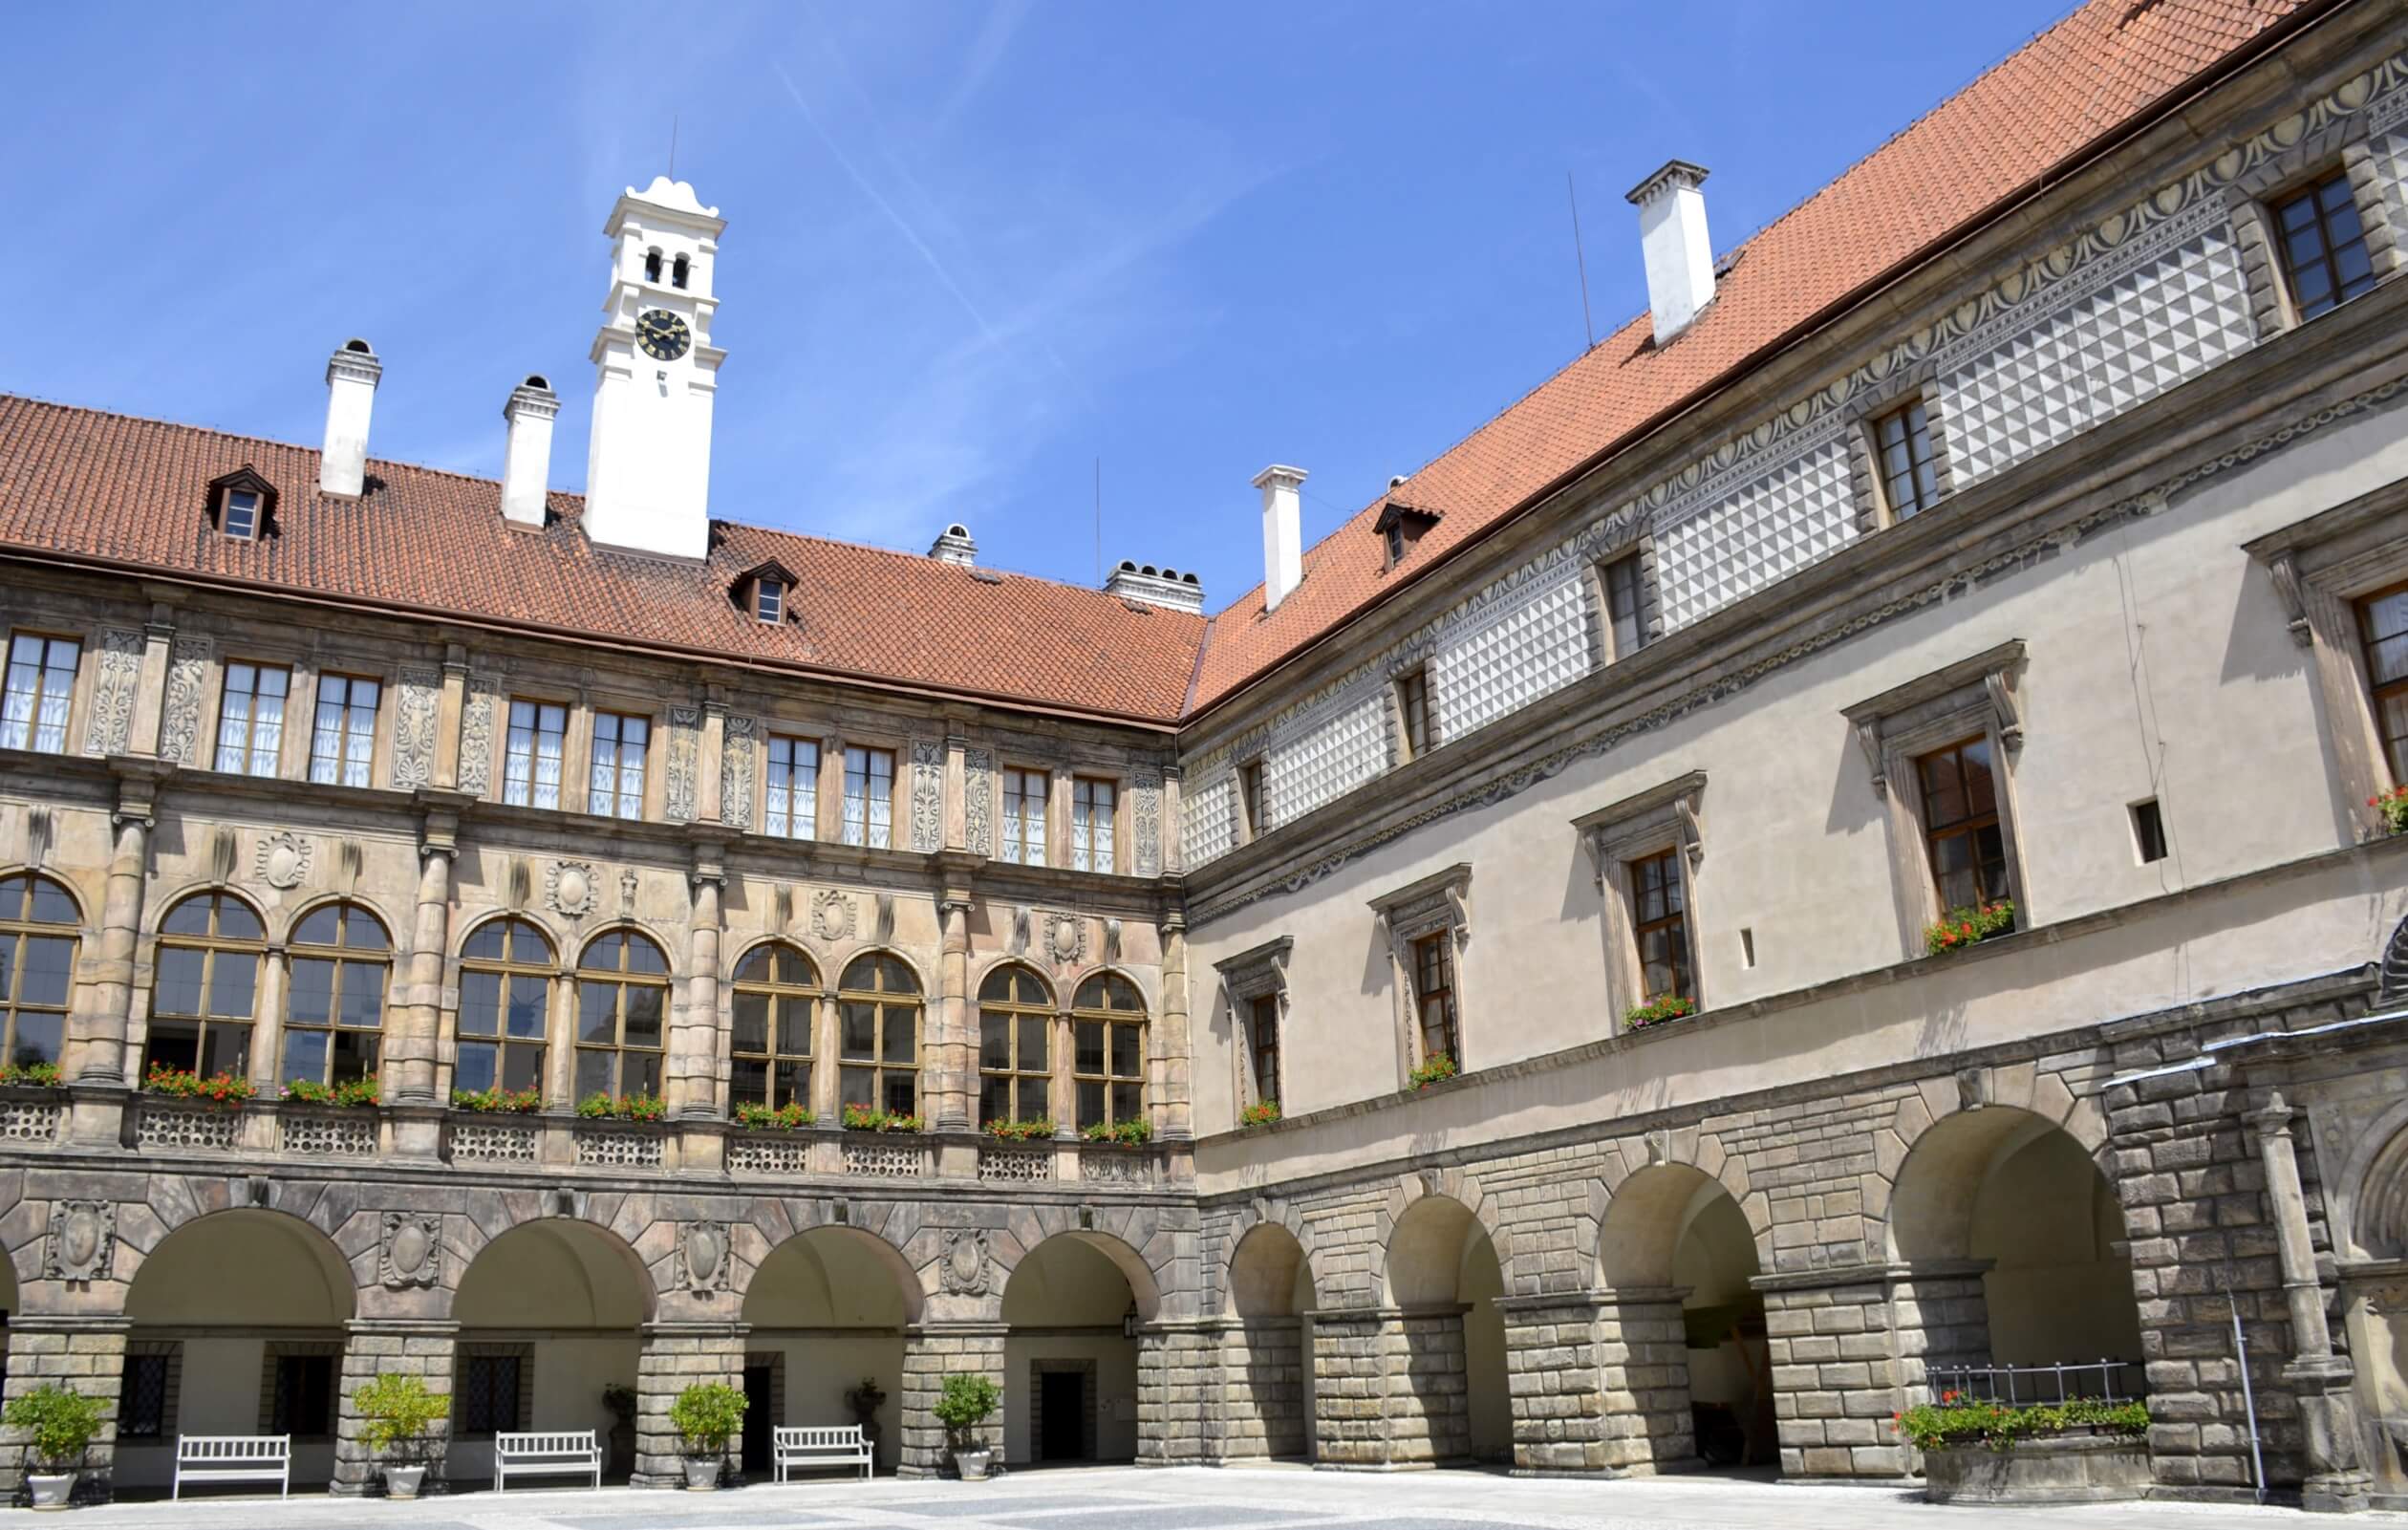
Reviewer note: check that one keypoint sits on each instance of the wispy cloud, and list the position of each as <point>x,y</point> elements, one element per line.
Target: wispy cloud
<point>986,51</point>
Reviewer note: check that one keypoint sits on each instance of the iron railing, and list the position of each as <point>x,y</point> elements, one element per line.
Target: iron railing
<point>2111,1381</point>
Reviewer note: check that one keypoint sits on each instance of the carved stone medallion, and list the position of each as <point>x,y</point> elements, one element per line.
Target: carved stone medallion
<point>82,1240</point>
<point>411,1250</point>
<point>283,859</point>
<point>571,887</point>
<point>1066,939</point>
<point>703,1257</point>
<point>963,1269</point>
<point>833,915</point>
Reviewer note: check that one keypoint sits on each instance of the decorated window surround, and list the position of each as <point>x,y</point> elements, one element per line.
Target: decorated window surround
<point>2345,144</point>
<point>1974,698</point>
<point>1260,972</point>
<point>1646,823</point>
<point>1439,903</point>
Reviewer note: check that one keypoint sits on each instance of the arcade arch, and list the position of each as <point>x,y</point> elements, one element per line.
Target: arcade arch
<point>828,1309</point>
<point>1071,1307</point>
<point>1444,1277</point>
<point>1268,1297</point>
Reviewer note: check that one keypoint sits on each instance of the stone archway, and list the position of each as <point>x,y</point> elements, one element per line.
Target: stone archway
<point>236,1328</point>
<point>1267,1296</point>
<point>1435,1349</point>
<point>550,1315</point>
<point>1071,1307</point>
<point>827,1309</point>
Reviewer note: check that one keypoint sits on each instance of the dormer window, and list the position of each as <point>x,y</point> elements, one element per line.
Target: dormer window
<point>242,504</point>
<point>1400,527</point>
<point>764,593</point>
<point>769,599</point>
<point>240,516</point>
<point>679,270</point>
<point>652,264</point>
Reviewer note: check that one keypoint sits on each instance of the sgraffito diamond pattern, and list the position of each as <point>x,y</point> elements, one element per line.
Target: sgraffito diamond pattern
<point>2391,168</point>
<point>1798,514</point>
<point>1537,643</point>
<point>1206,832</point>
<point>2131,341</point>
<point>1335,756</point>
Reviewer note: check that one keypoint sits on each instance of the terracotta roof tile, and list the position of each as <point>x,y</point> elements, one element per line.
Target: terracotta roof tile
<point>134,491</point>
<point>2091,72</point>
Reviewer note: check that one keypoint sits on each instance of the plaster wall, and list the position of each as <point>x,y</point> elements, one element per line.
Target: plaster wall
<point>822,1366</point>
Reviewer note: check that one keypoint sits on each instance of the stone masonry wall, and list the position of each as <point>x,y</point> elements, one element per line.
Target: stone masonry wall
<point>84,1356</point>
<point>426,1350</point>
<point>675,1356</point>
<point>1178,1369</point>
<point>1261,1382</point>
<point>930,1354</point>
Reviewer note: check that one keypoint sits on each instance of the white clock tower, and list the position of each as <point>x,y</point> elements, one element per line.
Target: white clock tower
<point>648,470</point>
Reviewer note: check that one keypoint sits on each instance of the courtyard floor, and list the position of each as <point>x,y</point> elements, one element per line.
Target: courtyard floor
<point>1188,1499</point>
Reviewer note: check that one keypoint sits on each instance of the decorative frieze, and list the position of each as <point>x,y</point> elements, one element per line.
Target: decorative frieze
<point>928,795</point>
<point>348,1133</point>
<point>31,1120</point>
<point>82,1241</point>
<point>114,686</point>
<point>966,1267</point>
<point>977,776</point>
<point>1145,817</point>
<point>492,1142</point>
<point>173,1129</point>
<point>890,1160</point>
<point>764,1152</point>
<point>736,772</point>
<point>1016,1165</point>
<point>703,1257</point>
<point>686,747</point>
<point>187,678</point>
<point>417,707</point>
<point>410,1250</point>
<point>607,1148</point>
<point>476,717</point>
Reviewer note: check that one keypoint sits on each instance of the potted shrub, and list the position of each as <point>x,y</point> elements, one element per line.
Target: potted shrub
<point>967,1402</point>
<point>708,1414</point>
<point>1437,1068</point>
<point>60,1425</point>
<point>397,1418</point>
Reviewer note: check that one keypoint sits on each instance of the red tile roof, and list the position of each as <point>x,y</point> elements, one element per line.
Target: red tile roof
<point>133,493</point>
<point>2094,72</point>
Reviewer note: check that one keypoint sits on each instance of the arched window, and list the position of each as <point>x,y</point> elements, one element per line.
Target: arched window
<point>1107,1029</point>
<point>37,966</point>
<point>210,950</point>
<point>879,1014</point>
<point>776,995</point>
<point>341,961</point>
<point>505,978</point>
<point>1015,1021</point>
<point>679,270</point>
<point>622,1013</point>
<point>652,264</point>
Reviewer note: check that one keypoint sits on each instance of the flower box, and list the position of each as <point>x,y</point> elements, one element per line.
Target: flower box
<point>1261,1113</point>
<point>498,1101</point>
<point>219,1091</point>
<point>750,1116</point>
<point>1435,1069</point>
<point>1036,1130</point>
<point>870,1118</point>
<point>1658,1012</point>
<point>2079,1451</point>
<point>1960,928</point>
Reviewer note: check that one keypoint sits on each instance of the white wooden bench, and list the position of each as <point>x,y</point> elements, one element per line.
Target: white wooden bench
<point>570,1453</point>
<point>836,1445</point>
<point>233,1459</point>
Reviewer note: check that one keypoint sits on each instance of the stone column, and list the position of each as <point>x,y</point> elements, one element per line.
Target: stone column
<point>691,1089</point>
<point>1390,1389</point>
<point>2337,1481</point>
<point>390,1346</point>
<point>1177,1400</point>
<point>82,1355</point>
<point>1262,1406</point>
<point>97,1041</point>
<point>932,1352</point>
<point>1558,1356</point>
<point>675,1356</point>
<point>450,707</point>
<point>949,1101</point>
<point>1849,1347</point>
<point>1174,1117</point>
<point>414,1033</point>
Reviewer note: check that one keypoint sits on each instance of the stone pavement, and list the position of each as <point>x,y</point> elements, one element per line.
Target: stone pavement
<point>1183,1499</point>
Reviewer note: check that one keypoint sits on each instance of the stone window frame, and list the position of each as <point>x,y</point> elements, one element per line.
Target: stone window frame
<point>257,657</point>
<point>379,736</point>
<point>1440,902</point>
<point>1600,607</point>
<point>525,1354</point>
<point>835,767</point>
<point>2320,568</point>
<point>1042,843</point>
<point>1251,801</point>
<point>1124,853</point>
<point>329,1350</point>
<point>1916,384</point>
<point>2346,145</point>
<point>1975,696</point>
<point>572,755</point>
<point>171,1403</point>
<point>1260,972</point>
<point>1647,822</point>
<point>80,689</point>
<point>585,732</point>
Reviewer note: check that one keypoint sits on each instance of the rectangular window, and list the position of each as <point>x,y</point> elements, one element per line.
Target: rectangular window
<point>489,1388</point>
<point>793,797</point>
<point>1659,916</point>
<point>241,513</point>
<point>1413,709</point>
<point>1961,827</point>
<point>2324,246</point>
<point>769,600</point>
<point>1092,806</point>
<point>343,742</point>
<point>870,798</point>
<point>2382,626</point>
<point>41,686</point>
<point>617,778</point>
<point>1908,484</point>
<point>142,1401</point>
<point>251,719</point>
<point>1252,801</point>
<point>304,1400</point>
<point>530,765</point>
<point>1024,816</point>
<point>1263,1042</point>
<point>2148,831</point>
<point>1433,995</point>
<point>1625,624</point>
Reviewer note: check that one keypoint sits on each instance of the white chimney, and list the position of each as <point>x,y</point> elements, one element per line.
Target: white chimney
<point>954,546</point>
<point>1672,236</point>
<point>527,459</point>
<point>351,393</point>
<point>1282,532</point>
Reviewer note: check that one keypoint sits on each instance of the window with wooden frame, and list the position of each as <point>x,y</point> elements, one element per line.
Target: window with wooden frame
<point>343,737</point>
<point>1902,439</point>
<point>1659,912</point>
<point>250,718</point>
<point>506,979</point>
<point>301,1390</point>
<point>870,798</point>
<point>790,795</point>
<point>39,925</point>
<point>1016,1016</point>
<point>1108,1051</point>
<point>1262,1047</point>
<point>1253,805</point>
<point>1961,832</point>
<point>41,691</point>
<point>879,1029</point>
<point>1094,805</point>
<point>770,599</point>
<point>205,986</point>
<point>1254,985</point>
<point>615,777</point>
<point>1023,828</point>
<point>1425,924</point>
<point>1434,997</point>
<point>532,752</point>
<point>238,513</point>
<point>337,967</point>
<point>771,1013</point>
<point>1644,849</point>
<point>1624,584</point>
<point>622,1016</point>
<point>1412,713</point>
<point>2383,631</point>
<point>2325,258</point>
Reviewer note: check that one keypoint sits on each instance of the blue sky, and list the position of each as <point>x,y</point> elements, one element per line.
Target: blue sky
<point>970,250</point>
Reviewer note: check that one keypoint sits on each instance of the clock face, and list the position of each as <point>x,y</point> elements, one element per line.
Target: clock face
<point>664,336</point>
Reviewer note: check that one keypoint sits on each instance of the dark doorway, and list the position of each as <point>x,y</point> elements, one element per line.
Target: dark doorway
<point>1061,1417</point>
<point>760,1389</point>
